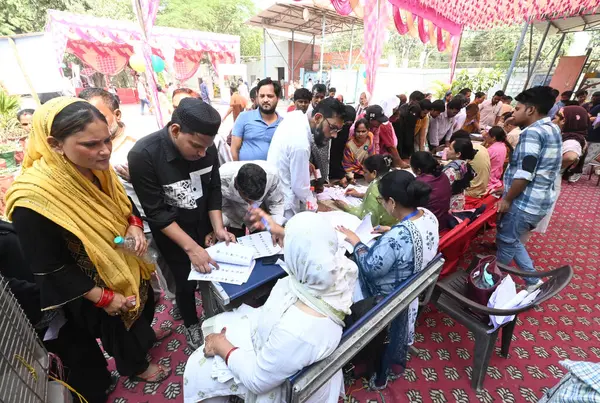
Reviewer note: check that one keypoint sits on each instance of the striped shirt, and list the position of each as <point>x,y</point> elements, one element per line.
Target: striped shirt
<point>541,140</point>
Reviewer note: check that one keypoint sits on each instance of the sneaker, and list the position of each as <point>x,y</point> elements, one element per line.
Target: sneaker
<point>574,178</point>
<point>194,336</point>
<point>532,287</point>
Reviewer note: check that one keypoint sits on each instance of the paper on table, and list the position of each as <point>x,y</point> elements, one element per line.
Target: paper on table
<point>261,243</point>
<point>365,230</point>
<point>226,273</point>
<point>236,263</point>
<point>339,193</point>
<point>353,223</point>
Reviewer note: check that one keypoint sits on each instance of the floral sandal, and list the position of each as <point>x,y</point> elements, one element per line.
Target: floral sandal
<point>160,375</point>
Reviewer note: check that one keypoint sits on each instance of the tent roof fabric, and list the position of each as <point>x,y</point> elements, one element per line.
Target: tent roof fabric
<point>289,17</point>
<point>577,23</point>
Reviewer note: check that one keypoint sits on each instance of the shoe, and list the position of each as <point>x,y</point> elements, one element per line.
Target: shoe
<point>194,336</point>
<point>574,178</point>
<point>373,384</point>
<point>531,288</point>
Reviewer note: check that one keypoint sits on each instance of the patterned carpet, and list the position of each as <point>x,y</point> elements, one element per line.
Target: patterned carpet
<point>565,327</point>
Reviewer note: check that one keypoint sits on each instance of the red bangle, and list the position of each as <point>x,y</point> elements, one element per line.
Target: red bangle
<point>106,298</point>
<point>136,221</point>
<point>228,354</point>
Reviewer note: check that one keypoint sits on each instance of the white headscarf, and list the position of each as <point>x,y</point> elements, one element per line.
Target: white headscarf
<point>319,274</point>
<point>389,104</point>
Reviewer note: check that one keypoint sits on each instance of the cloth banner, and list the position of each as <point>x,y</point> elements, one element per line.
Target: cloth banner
<point>455,46</point>
<point>103,59</point>
<point>217,58</point>
<point>375,23</point>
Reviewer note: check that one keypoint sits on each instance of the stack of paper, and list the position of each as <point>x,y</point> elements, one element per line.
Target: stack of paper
<point>235,264</point>
<point>363,229</point>
<point>339,193</point>
<point>261,243</point>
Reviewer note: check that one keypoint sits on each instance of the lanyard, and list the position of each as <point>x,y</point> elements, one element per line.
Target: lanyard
<point>411,215</point>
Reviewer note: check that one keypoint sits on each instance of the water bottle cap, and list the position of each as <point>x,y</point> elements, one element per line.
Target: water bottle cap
<point>119,240</point>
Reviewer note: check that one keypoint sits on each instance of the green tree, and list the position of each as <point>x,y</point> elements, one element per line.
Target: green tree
<point>23,16</point>
<point>222,16</point>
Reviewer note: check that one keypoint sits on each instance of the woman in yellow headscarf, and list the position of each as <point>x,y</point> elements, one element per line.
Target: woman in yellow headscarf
<point>67,207</point>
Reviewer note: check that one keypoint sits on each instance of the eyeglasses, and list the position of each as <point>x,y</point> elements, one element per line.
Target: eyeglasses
<point>332,128</point>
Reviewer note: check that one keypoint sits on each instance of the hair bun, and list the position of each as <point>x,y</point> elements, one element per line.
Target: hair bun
<point>418,193</point>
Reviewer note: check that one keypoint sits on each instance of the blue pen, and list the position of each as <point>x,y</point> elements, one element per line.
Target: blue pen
<point>262,219</point>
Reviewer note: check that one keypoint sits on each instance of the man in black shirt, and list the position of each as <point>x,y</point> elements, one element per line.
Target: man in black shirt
<point>175,173</point>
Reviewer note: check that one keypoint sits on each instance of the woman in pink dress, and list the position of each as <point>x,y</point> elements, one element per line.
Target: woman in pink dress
<point>498,148</point>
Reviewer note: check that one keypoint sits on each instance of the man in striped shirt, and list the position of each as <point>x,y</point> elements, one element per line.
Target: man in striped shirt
<point>529,179</point>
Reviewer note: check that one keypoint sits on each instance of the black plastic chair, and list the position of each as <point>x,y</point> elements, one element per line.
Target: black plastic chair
<point>449,296</point>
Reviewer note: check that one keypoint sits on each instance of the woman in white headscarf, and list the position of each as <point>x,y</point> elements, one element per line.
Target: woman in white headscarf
<point>251,352</point>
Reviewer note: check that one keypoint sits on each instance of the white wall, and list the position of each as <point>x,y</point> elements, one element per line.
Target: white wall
<point>274,59</point>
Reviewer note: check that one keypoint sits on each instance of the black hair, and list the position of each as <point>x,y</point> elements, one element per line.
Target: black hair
<point>332,89</point>
<point>479,94</point>
<point>268,81</point>
<point>425,105</point>
<point>159,88</point>
<point>571,102</point>
<point>465,148</point>
<point>581,92</point>
<point>302,93</point>
<point>460,134</point>
<point>499,135</point>
<point>464,91</point>
<point>74,118</point>
<point>24,112</point>
<point>319,88</point>
<point>416,96</point>
<point>362,121</point>
<point>540,98</point>
<point>499,93</point>
<point>507,116</point>
<point>567,94</point>
<point>378,163</point>
<point>109,99</point>
<point>251,180</point>
<point>555,93</point>
<point>424,162</point>
<point>253,92</point>
<point>464,101</point>
<point>455,103</point>
<point>405,189</point>
<point>350,113</point>
<point>508,98</point>
<point>438,105</point>
<point>329,107</point>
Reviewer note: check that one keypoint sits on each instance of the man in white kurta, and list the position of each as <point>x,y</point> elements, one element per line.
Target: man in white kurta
<point>289,153</point>
<point>258,180</point>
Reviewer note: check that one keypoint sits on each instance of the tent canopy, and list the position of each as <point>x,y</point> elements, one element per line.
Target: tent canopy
<point>577,23</point>
<point>304,17</point>
<point>106,45</point>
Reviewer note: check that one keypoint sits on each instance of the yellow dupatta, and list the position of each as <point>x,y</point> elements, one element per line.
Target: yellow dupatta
<point>52,186</point>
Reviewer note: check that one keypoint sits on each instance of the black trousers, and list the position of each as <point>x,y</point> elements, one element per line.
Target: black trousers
<point>185,291</point>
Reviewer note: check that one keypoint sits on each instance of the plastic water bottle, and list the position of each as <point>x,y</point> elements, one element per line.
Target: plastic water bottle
<point>128,245</point>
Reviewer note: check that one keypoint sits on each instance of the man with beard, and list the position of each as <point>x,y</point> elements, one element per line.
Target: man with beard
<point>319,91</point>
<point>253,130</point>
<point>291,150</point>
<point>491,110</point>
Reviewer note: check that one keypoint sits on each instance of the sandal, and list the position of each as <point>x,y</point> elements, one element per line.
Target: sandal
<point>162,334</point>
<point>160,375</point>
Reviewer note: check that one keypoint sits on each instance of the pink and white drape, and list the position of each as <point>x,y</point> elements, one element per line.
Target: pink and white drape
<point>375,23</point>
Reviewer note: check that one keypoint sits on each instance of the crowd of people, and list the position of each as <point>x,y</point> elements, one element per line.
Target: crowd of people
<point>86,181</point>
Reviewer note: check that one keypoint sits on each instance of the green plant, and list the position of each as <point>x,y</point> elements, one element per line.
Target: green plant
<point>482,81</point>
<point>9,105</point>
<point>440,88</point>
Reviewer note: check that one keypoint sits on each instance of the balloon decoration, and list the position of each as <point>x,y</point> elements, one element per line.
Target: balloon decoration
<point>365,74</point>
<point>137,63</point>
<point>158,64</point>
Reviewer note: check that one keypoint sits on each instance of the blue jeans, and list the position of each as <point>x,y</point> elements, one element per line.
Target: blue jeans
<point>511,226</point>
<point>143,102</point>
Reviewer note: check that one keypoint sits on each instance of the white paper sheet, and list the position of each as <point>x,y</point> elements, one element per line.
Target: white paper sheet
<point>339,193</point>
<point>235,261</point>
<point>261,243</point>
<point>354,224</point>
<point>226,273</point>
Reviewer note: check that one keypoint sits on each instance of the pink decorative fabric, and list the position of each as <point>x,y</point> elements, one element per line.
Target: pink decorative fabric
<point>375,23</point>
<point>422,34</point>
<point>342,7</point>
<point>398,22</point>
<point>429,13</point>
<point>441,44</point>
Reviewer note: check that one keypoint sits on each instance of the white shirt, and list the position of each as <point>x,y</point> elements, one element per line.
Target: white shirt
<point>488,113</point>
<point>235,208</point>
<point>459,120</point>
<point>289,152</point>
<point>142,90</point>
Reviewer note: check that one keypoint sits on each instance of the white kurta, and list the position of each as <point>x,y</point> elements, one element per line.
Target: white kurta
<point>289,152</point>
<point>297,341</point>
<point>235,208</point>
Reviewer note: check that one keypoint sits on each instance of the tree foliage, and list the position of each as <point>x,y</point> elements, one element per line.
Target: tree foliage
<point>23,16</point>
<point>221,16</point>
<point>482,81</point>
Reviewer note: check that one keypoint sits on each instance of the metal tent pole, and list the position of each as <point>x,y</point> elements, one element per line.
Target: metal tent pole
<point>537,57</point>
<point>265,52</point>
<point>291,64</point>
<point>560,42</point>
<point>322,49</point>
<point>513,62</point>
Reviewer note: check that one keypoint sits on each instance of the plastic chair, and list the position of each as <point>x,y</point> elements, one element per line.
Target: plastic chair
<point>451,246</point>
<point>449,296</point>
